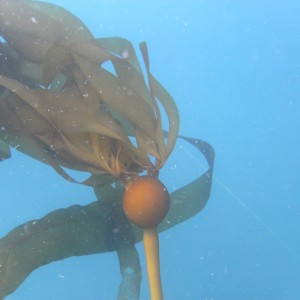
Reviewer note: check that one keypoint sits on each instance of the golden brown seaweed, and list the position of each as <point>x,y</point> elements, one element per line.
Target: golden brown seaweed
<point>84,123</point>
<point>83,230</point>
<point>32,28</point>
<point>73,101</point>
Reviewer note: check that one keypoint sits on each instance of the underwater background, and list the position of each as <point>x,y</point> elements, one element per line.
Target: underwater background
<point>233,68</point>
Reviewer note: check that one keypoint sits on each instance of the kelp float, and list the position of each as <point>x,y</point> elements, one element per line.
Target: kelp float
<point>76,102</point>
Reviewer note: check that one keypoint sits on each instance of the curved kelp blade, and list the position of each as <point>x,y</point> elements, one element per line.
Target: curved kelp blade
<point>131,273</point>
<point>193,196</point>
<point>123,48</point>
<point>34,27</point>
<point>116,95</point>
<point>69,127</point>
<point>18,136</point>
<point>77,230</point>
<point>84,230</point>
<point>126,65</point>
<point>159,92</point>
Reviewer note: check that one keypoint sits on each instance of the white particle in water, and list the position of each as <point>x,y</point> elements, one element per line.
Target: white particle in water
<point>34,20</point>
<point>128,270</point>
<point>125,54</point>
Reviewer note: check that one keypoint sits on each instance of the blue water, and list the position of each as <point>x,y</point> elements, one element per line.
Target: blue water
<point>233,68</point>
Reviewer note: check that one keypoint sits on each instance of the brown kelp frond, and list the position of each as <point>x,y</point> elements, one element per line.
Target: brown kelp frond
<point>75,111</point>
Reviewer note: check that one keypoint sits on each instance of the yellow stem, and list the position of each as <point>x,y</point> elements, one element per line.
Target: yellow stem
<point>151,245</point>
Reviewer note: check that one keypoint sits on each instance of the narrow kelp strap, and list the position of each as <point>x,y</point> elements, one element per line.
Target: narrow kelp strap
<point>190,199</point>
<point>131,272</point>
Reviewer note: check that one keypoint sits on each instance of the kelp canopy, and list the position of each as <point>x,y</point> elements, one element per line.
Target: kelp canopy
<point>74,101</point>
<point>71,100</point>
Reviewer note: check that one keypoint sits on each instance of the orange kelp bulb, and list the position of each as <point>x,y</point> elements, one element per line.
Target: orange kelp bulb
<point>146,201</point>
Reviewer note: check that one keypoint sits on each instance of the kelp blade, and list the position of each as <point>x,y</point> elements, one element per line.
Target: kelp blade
<point>83,230</point>
<point>4,150</point>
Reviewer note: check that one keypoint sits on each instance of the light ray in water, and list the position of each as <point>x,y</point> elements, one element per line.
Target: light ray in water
<point>242,204</point>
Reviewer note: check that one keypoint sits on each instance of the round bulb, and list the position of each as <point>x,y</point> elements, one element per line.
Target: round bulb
<point>146,201</point>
